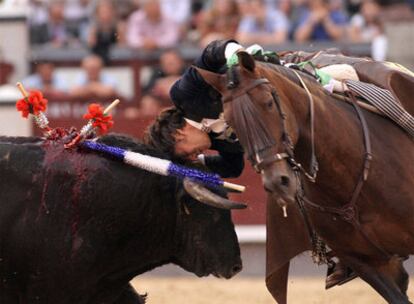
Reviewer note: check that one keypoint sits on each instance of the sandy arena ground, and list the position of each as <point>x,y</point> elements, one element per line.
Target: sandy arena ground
<point>252,291</point>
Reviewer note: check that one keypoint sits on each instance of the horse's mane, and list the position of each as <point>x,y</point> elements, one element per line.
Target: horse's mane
<point>313,85</point>
<point>255,136</point>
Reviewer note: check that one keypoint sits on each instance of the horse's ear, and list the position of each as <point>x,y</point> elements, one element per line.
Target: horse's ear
<point>247,61</point>
<point>217,81</point>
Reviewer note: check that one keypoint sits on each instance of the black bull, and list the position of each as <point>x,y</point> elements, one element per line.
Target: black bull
<point>76,227</point>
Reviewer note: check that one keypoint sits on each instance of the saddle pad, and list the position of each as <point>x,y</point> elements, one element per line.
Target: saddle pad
<point>385,102</point>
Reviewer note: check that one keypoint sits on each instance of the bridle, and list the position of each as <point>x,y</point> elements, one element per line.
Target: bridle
<point>268,156</point>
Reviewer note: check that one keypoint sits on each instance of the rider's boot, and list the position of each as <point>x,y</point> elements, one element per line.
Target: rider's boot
<point>338,274</point>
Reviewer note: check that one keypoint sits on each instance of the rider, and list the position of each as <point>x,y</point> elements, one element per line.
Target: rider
<point>196,124</point>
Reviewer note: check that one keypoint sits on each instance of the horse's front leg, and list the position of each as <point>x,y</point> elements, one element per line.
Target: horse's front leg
<point>388,278</point>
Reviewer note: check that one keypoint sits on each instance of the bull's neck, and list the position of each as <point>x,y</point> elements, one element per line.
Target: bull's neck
<point>339,144</point>
<point>152,237</point>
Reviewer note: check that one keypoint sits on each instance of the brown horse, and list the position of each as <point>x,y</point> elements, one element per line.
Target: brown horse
<point>353,170</point>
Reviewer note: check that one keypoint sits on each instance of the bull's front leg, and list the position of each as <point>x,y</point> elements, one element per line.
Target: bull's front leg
<point>130,296</point>
<point>7,298</point>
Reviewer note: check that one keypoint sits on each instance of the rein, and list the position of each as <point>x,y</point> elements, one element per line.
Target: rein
<point>314,167</point>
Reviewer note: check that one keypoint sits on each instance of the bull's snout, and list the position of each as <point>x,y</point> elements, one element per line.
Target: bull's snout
<point>236,269</point>
<point>233,271</point>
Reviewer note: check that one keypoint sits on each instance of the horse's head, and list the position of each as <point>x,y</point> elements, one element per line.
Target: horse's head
<point>255,109</point>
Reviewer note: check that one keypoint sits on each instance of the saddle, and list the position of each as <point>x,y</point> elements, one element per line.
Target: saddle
<point>392,84</point>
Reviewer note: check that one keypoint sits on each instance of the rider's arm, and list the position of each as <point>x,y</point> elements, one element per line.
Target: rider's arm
<point>213,57</point>
<point>225,164</point>
<point>229,162</point>
<point>191,93</point>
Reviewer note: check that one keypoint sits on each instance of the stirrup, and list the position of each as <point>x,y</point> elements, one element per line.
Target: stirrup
<point>345,277</point>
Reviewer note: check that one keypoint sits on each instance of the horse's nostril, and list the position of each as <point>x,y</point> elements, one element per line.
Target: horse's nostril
<point>284,181</point>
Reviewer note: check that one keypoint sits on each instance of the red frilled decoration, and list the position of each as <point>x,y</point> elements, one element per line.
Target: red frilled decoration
<point>100,120</point>
<point>34,104</point>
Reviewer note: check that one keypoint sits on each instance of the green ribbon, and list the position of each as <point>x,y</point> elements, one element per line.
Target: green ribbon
<point>234,59</point>
<point>321,76</point>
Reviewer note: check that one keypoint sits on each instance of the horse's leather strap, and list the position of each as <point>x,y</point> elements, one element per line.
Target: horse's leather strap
<point>239,92</point>
<point>349,212</point>
<point>314,162</point>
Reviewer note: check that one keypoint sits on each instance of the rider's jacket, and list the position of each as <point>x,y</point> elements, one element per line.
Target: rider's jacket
<point>202,106</point>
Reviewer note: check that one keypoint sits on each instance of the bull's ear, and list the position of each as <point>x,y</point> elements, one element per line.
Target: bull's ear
<point>247,61</point>
<point>217,81</point>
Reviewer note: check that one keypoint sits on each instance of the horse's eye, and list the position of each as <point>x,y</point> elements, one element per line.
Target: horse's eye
<point>269,104</point>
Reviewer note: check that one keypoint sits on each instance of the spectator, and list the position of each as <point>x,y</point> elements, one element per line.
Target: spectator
<point>219,22</point>
<point>243,7</point>
<point>125,8</point>
<point>286,7</point>
<point>105,31</point>
<point>149,29</point>
<point>297,10</point>
<point>262,25</point>
<point>157,92</point>
<point>93,82</point>
<point>37,12</point>
<point>320,21</point>
<point>367,26</point>
<point>54,31</point>
<point>178,10</point>
<point>353,6</point>
<point>77,15</point>
<point>45,79</point>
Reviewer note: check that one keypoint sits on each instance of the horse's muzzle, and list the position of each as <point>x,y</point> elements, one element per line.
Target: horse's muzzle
<point>280,184</point>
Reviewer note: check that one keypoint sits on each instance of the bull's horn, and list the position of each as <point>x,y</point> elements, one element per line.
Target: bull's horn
<point>207,197</point>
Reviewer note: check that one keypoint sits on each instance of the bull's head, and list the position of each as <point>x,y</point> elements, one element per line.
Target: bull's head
<point>169,221</point>
<point>206,242</point>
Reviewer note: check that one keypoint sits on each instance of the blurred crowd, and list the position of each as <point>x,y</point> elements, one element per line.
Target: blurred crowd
<point>150,24</point>
<point>165,24</point>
